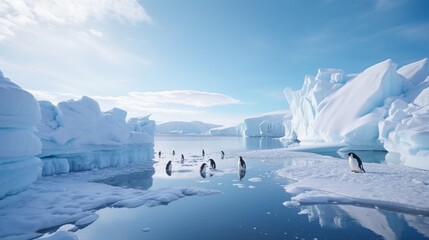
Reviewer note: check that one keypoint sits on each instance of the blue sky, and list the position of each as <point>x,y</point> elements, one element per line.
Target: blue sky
<point>218,61</point>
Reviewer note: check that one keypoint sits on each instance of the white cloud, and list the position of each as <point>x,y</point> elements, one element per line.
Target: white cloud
<point>185,97</point>
<point>16,15</point>
<point>414,32</point>
<point>387,4</point>
<point>96,33</point>
<point>178,102</point>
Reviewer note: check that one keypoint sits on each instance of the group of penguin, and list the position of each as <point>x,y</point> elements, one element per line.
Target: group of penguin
<point>355,164</point>
<point>203,167</point>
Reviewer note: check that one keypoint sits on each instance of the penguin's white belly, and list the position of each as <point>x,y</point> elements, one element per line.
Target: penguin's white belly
<point>354,165</point>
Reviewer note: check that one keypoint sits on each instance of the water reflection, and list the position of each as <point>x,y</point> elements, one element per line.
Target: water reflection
<point>138,180</point>
<point>168,168</point>
<point>241,173</point>
<point>420,223</point>
<point>255,143</point>
<point>382,223</point>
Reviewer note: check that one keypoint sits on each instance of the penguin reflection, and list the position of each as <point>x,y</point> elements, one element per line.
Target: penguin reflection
<point>203,172</point>
<point>168,168</point>
<point>241,168</point>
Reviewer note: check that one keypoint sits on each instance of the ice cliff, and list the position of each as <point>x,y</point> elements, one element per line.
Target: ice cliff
<point>19,146</point>
<point>405,130</point>
<point>184,128</point>
<point>77,135</point>
<point>268,125</point>
<point>380,108</point>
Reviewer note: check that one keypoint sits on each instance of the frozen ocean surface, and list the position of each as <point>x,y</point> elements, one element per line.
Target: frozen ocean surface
<point>281,195</point>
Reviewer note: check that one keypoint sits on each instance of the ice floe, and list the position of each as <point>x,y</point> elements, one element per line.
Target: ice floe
<point>320,179</point>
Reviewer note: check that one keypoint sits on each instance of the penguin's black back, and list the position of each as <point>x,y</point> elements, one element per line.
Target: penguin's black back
<point>212,163</point>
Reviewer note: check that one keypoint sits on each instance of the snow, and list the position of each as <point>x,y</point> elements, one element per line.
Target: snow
<point>19,166</point>
<point>228,131</point>
<point>184,128</point>
<point>416,72</point>
<point>316,179</point>
<point>405,130</point>
<point>264,126</point>
<point>73,199</point>
<point>380,108</point>
<point>77,135</point>
<point>267,125</point>
<point>325,111</point>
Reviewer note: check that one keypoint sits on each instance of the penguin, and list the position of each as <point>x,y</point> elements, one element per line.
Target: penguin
<point>168,168</point>
<point>212,164</point>
<point>203,170</point>
<point>174,153</point>
<point>203,153</point>
<point>159,154</point>
<point>355,163</point>
<point>182,159</point>
<point>241,164</point>
<point>222,155</point>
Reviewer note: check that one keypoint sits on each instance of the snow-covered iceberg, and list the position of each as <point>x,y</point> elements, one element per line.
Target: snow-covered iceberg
<point>405,130</point>
<point>77,135</point>
<point>380,108</point>
<point>19,146</point>
<point>267,125</point>
<point>333,108</point>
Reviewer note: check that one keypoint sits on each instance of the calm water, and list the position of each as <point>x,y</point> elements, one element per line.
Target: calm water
<point>248,209</point>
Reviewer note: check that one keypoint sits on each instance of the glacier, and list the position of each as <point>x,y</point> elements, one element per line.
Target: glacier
<point>381,108</point>
<point>19,146</point>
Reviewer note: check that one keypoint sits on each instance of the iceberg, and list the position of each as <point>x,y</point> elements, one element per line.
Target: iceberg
<point>334,110</point>
<point>267,125</point>
<point>236,130</point>
<point>405,130</point>
<point>77,135</point>
<point>381,108</point>
<point>19,146</point>
<point>184,128</point>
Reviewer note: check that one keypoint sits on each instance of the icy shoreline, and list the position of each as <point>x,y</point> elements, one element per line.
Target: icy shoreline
<point>73,198</point>
<point>317,179</point>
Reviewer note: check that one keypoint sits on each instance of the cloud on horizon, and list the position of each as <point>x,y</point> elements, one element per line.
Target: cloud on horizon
<point>143,103</point>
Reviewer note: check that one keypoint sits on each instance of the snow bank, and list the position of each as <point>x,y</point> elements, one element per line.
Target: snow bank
<point>19,114</point>
<point>77,135</point>
<point>268,125</point>
<point>73,199</point>
<point>322,179</point>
